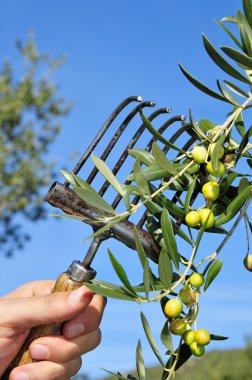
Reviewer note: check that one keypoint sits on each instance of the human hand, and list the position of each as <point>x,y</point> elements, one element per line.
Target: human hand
<point>59,357</point>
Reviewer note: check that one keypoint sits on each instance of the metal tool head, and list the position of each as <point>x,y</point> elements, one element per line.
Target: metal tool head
<point>116,150</point>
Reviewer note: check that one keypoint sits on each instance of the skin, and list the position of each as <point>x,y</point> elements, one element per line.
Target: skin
<point>59,357</point>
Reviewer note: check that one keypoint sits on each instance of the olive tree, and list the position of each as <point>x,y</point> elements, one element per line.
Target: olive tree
<point>215,192</point>
<point>30,113</point>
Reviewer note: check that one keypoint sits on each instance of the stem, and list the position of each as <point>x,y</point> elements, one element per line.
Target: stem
<point>232,118</point>
<point>230,233</point>
<point>183,276</point>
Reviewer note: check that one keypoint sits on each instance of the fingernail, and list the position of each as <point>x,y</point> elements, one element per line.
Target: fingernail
<point>39,351</point>
<point>78,294</point>
<point>74,330</point>
<point>22,376</point>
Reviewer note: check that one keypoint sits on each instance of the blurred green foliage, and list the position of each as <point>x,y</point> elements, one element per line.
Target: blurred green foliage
<point>30,114</point>
<point>215,365</point>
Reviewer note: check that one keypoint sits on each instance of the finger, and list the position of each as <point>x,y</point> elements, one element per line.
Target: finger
<point>59,349</point>
<point>23,313</point>
<point>46,370</point>
<point>34,288</point>
<point>88,320</point>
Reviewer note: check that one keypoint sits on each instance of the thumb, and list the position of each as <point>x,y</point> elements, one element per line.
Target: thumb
<point>23,313</point>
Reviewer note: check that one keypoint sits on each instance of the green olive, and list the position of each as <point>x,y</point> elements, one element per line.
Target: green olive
<point>211,190</point>
<point>196,280</point>
<point>199,154</point>
<point>177,327</point>
<point>221,151</point>
<point>173,308</point>
<point>206,217</point>
<point>192,218</point>
<point>188,337</point>
<point>187,296</point>
<point>248,262</point>
<point>218,172</point>
<point>197,349</point>
<point>202,337</point>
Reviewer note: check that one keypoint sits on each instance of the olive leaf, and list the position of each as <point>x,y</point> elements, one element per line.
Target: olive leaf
<point>150,338</point>
<point>93,199</point>
<point>166,337</point>
<point>121,273</point>
<point>162,160</point>
<point>107,173</point>
<point>169,239</point>
<point>140,362</point>
<point>158,135</point>
<point>201,86</point>
<point>222,63</point>
<point>213,271</point>
<point>165,268</point>
<point>139,177</point>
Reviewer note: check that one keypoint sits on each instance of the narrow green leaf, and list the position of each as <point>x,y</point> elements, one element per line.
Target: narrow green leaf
<point>199,132</point>
<point>106,292</point>
<point>94,199</point>
<point>165,268</point>
<point>206,125</point>
<point>139,177</point>
<point>161,200</point>
<point>237,56</point>
<point>158,135</point>
<point>201,86</point>
<point>189,195</point>
<point>166,337</point>
<point>145,157</point>
<point>236,89</point>
<point>245,32</point>
<point>162,160</point>
<point>222,63</point>
<point>151,173</point>
<point>118,375</point>
<point>107,284</point>
<point>139,247</point>
<point>107,173</point>
<point>169,238</point>
<point>69,177</point>
<point>231,35</point>
<point>107,226</point>
<point>243,143</point>
<point>247,6</point>
<point>178,231</point>
<point>140,362</point>
<point>239,125</point>
<point>232,19</point>
<point>244,182</point>
<point>215,153</point>
<point>234,207</point>
<point>146,279</point>
<point>80,218</point>
<point>150,338</point>
<point>218,337</point>
<point>227,95</point>
<point>213,272</point>
<point>121,273</point>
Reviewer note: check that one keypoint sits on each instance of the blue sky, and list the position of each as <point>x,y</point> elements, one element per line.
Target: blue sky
<point>115,49</point>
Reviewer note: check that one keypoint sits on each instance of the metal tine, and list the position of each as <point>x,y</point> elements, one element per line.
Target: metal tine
<point>102,131</point>
<point>166,149</point>
<point>125,153</point>
<point>118,133</point>
<point>141,129</point>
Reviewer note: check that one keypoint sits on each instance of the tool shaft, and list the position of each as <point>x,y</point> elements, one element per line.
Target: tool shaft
<point>64,198</point>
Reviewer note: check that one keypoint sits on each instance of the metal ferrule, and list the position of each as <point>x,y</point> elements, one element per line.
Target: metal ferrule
<point>79,273</point>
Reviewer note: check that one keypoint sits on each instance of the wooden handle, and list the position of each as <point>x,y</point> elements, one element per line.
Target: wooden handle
<point>64,283</point>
